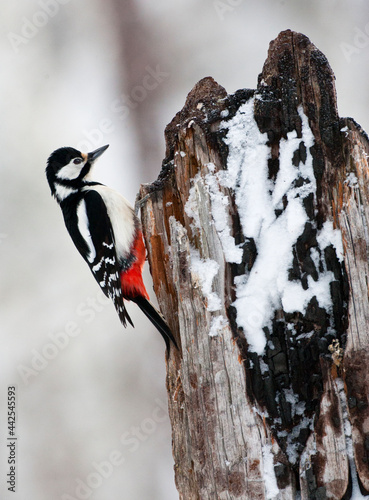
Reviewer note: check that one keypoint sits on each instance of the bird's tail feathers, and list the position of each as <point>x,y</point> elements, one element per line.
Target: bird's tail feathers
<point>123,316</point>
<point>121,310</point>
<point>156,319</point>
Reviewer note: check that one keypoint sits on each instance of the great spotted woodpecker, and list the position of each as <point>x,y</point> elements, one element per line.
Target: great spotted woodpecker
<point>105,230</point>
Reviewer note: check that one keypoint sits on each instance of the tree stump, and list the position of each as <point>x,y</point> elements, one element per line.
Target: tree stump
<point>257,238</point>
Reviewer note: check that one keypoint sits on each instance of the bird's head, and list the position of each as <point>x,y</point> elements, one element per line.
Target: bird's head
<point>68,170</point>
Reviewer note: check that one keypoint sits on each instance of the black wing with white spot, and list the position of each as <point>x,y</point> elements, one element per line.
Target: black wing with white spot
<point>95,227</point>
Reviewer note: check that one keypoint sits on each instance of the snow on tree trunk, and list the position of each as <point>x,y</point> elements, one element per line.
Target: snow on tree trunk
<point>257,240</point>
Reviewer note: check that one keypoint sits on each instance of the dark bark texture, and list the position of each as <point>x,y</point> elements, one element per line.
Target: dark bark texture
<point>296,418</point>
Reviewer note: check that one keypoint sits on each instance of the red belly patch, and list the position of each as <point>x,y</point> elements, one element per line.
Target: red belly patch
<point>131,280</point>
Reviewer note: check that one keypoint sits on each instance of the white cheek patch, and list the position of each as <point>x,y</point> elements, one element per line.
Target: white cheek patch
<point>84,230</point>
<point>70,171</point>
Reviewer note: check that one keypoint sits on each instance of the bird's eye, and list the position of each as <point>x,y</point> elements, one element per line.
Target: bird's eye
<point>77,161</point>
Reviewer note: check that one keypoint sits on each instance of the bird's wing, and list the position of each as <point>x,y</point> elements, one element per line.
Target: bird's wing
<point>95,227</point>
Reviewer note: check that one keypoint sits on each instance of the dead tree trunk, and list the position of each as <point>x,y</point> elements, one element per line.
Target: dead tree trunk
<point>257,238</point>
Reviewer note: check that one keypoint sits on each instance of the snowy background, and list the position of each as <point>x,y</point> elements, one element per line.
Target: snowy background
<point>91,394</point>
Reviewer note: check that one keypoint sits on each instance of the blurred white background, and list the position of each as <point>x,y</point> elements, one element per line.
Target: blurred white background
<point>75,73</point>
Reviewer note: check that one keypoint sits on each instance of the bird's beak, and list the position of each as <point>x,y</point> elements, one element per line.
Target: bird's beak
<point>95,154</point>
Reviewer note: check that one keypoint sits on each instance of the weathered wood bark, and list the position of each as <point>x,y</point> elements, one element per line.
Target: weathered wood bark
<point>262,423</point>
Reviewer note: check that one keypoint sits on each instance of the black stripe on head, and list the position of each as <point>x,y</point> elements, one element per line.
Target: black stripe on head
<point>62,157</point>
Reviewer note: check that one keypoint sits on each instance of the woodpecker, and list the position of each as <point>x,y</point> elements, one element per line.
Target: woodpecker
<point>105,230</point>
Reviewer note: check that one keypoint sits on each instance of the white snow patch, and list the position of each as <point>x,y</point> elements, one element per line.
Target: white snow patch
<point>352,180</point>
<point>219,212</point>
<point>270,481</point>
<point>258,198</point>
<point>219,203</point>
<point>264,368</point>
<point>217,324</point>
<point>345,130</point>
<point>329,236</point>
<point>247,169</point>
<point>297,406</point>
<point>292,452</point>
<point>205,271</point>
<point>305,335</point>
<point>191,206</point>
<point>295,298</point>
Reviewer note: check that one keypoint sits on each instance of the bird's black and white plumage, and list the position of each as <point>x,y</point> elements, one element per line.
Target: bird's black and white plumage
<point>105,230</point>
